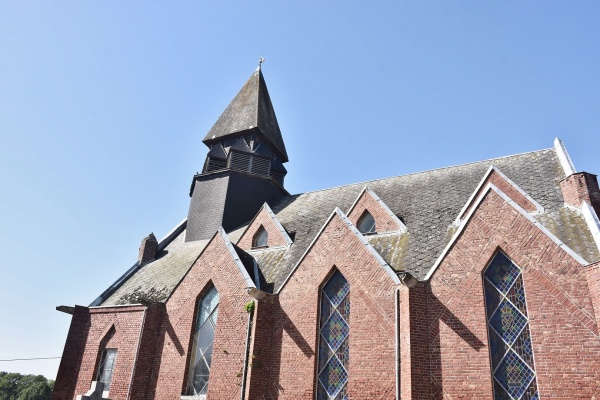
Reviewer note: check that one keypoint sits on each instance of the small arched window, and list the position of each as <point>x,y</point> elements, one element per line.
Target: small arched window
<point>366,223</point>
<point>261,238</point>
<point>204,336</point>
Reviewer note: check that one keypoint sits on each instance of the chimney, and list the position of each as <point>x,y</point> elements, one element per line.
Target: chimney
<point>579,187</point>
<point>148,250</point>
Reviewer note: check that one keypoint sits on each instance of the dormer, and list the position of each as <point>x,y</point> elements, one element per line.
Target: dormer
<point>371,215</point>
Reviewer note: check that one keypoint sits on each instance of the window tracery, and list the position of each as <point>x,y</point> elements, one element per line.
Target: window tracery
<point>334,329</point>
<point>202,348</point>
<point>511,352</point>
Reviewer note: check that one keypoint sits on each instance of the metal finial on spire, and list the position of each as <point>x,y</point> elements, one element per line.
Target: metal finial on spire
<point>261,61</point>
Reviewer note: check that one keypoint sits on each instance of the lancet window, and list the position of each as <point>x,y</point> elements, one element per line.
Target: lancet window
<point>334,329</point>
<point>202,347</point>
<point>511,352</point>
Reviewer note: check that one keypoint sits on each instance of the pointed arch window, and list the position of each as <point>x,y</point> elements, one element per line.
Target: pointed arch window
<point>366,223</point>
<point>511,352</point>
<point>202,348</point>
<point>334,329</point>
<point>261,238</point>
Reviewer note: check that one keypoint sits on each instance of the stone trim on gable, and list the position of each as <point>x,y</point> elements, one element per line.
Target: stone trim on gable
<point>385,214</point>
<point>265,217</point>
<point>518,195</point>
<point>518,208</point>
<point>360,236</point>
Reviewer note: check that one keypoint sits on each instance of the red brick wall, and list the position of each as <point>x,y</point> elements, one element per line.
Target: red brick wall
<point>563,328</point>
<point>383,221</point>
<point>372,323</point>
<point>142,385</point>
<point>215,266</point>
<point>501,183</point>
<point>70,363</point>
<point>263,218</point>
<point>88,329</point>
<point>580,187</point>
<point>592,274</point>
<point>263,350</point>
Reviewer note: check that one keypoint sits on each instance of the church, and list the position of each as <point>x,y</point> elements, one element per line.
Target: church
<point>480,280</point>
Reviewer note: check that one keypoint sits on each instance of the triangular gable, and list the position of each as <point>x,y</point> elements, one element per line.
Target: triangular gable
<point>278,237</point>
<point>234,255</point>
<point>338,213</point>
<point>385,220</point>
<point>491,187</point>
<point>495,177</point>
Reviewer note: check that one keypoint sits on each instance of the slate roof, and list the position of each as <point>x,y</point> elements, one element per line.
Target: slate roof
<point>427,202</point>
<point>155,281</point>
<point>251,108</point>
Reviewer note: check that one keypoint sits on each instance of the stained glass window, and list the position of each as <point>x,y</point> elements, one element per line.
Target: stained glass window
<point>511,353</point>
<point>202,348</point>
<point>332,379</point>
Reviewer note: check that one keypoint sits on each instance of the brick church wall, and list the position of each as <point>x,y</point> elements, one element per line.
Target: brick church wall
<point>294,336</point>
<point>562,321</point>
<point>85,344</point>
<point>215,266</point>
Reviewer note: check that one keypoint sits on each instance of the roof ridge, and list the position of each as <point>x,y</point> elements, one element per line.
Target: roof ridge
<point>421,172</point>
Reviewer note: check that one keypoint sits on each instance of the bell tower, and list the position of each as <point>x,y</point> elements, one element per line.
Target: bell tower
<point>244,165</point>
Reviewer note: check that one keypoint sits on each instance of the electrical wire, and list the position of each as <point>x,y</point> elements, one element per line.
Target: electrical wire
<point>30,359</point>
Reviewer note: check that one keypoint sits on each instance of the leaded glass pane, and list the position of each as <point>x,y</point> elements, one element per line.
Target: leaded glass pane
<point>335,330</point>
<point>336,289</point>
<point>516,295</point>
<point>333,377</point>
<point>514,375</point>
<point>498,347</point>
<point>502,273</point>
<point>203,339</point>
<point>492,297</point>
<point>507,321</point>
<point>510,346</point>
<point>522,347</point>
<point>333,343</point>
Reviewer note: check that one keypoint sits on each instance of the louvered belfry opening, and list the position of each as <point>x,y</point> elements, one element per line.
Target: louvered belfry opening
<point>246,153</point>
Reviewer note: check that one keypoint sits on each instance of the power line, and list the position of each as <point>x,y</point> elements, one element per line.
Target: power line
<point>30,359</point>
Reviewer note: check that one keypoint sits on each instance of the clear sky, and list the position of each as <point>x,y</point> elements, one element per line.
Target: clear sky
<point>103,106</point>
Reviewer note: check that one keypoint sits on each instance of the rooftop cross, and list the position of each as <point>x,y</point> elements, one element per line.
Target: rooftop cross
<point>260,61</point>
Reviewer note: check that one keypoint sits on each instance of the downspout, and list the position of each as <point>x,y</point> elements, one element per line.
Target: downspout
<point>137,352</point>
<point>397,303</point>
<point>246,356</point>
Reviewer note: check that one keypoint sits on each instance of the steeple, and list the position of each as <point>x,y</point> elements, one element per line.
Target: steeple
<point>250,110</point>
<point>244,167</point>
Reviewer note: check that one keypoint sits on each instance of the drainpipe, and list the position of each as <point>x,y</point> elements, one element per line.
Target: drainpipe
<point>246,356</point>
<point>397,303</point>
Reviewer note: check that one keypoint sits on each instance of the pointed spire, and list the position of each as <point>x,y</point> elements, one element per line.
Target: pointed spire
<point>250,109</point>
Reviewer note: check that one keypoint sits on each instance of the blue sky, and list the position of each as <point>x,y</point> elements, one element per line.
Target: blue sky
<point>103,106</point>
